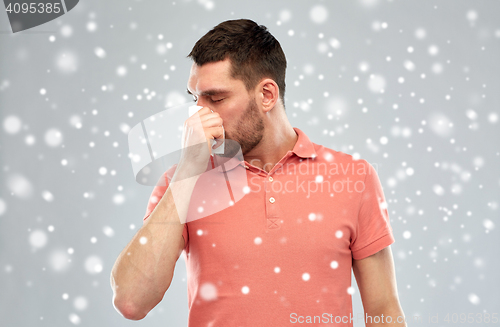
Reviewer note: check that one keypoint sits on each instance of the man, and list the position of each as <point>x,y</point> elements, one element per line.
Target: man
<point>282,254</point>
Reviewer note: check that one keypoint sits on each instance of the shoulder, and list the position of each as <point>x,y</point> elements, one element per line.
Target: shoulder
<point>330,155</point>
<point>343,162</point>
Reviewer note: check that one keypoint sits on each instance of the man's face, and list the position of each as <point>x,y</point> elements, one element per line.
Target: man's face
<point>213,87</point>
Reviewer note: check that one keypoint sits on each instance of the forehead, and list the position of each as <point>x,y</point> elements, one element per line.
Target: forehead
<point>212,75</point>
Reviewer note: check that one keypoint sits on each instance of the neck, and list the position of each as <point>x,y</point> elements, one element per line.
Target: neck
<point>279,138</point>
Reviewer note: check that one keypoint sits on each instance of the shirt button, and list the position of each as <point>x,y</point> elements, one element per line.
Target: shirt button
<point>270,179</point>
<point>271,199</point>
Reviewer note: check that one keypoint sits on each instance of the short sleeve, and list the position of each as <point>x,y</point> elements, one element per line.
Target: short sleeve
<point>373,229</point>
<point>158,192</point>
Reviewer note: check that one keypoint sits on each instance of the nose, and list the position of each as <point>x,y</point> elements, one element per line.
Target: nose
<point>201,103</point>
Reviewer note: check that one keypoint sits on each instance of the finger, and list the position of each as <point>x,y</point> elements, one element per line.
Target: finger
<point>218,143</point>
<point>207,120</point>
<point>215,132</point>
<point>204,111</point>
<point>210,116</point>
<point>201,112</point>
<point>214,122</point>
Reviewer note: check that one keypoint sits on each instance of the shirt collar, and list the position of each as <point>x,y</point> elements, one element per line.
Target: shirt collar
<point>303,148</point>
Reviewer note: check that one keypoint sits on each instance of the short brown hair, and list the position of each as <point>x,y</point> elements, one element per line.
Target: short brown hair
<point>253,51</point>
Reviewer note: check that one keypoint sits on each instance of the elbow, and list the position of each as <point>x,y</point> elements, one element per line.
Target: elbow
<point>124,306</point>
<point>128,310</point>
<point>133,303</point>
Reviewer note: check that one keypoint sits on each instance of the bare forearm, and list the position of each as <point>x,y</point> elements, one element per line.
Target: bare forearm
<point>392,315</point>
<point>144,269</point>
<point>143,272</point>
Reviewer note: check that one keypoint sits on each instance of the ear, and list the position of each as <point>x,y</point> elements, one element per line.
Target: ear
<point>268,94</point>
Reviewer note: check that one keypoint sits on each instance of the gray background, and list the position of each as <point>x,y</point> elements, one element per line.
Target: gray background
<point>410,86</point>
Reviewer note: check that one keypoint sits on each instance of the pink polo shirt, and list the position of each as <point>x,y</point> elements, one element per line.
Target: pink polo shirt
<point>282,254</point>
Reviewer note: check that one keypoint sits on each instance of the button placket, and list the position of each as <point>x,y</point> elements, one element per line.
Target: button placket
<point>272,207</point>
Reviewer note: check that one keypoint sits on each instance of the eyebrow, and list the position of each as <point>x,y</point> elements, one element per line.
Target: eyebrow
<point>211,92</point>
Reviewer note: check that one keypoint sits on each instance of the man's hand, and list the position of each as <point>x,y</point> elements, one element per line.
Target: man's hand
<point>199,129</point>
